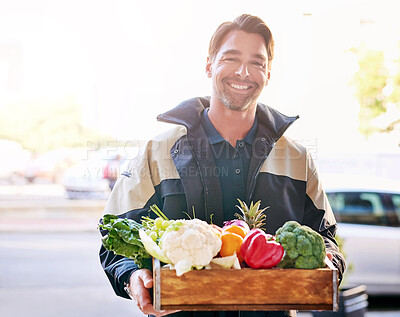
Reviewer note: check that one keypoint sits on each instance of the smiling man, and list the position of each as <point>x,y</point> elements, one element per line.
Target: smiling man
<point>239,71</point>
<point>220,149</point>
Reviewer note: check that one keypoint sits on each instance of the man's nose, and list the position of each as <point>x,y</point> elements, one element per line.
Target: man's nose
<point>242,71</point>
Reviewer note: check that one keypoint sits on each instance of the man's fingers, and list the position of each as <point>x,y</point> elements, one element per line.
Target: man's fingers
<point>142,295</point>
<point>149,310</point>
<point>139,291</point>
<point>148,282</point>
<point>140,282</point>
<point>146,277</point>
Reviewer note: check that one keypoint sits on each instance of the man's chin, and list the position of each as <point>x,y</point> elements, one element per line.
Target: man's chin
<point>237,108</point>
<point>237,105</point>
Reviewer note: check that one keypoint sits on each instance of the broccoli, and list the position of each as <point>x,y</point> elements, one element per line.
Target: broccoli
<point>305,248</point>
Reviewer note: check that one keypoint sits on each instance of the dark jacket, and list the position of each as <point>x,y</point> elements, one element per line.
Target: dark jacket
<point>175,171</point>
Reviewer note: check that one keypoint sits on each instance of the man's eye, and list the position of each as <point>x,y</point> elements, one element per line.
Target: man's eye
<point>229,59</point>
<point>259,64</point>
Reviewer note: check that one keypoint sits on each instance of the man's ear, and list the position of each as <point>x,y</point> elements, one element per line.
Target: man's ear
<point>268,78</point>
<point>208,67</point>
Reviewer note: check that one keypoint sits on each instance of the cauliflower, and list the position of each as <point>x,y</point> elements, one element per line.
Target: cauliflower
<point>194,244</point>
<point>305,248</point>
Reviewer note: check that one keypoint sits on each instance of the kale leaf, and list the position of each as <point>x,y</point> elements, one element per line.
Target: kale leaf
<point>123,238</point>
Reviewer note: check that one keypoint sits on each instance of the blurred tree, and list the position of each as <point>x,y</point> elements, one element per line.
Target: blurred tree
<point>394,98</point>
<point>41,125</point>
<point>377,90</point>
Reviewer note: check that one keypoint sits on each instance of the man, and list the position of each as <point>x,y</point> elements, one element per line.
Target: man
<point>222,148</point>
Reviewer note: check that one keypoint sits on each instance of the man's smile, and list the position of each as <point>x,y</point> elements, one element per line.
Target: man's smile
<point>240,86</point>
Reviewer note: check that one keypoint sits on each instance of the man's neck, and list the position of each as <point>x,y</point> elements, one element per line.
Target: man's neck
<point>232,125</point>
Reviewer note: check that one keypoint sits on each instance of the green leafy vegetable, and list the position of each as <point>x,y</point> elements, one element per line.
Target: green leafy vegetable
<point>123,238</point>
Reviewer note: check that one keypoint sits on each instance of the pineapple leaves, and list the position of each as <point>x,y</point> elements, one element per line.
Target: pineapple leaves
<point>253,215</point>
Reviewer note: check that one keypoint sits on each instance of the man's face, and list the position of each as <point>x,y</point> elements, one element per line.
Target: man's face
<point>240,70</point>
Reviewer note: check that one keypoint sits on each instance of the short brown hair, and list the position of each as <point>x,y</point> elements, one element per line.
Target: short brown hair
<point>247,23</point>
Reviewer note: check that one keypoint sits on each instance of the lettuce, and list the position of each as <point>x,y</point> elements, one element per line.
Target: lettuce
<point>123,238</point>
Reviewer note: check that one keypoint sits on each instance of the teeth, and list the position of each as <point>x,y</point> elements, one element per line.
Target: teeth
<point>242,87</point>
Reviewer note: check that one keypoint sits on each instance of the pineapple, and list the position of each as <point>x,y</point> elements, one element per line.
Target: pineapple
<point>253,215</point>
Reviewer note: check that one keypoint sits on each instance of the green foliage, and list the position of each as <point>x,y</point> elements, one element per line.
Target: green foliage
<point>376,88</point>
<point>41,125</point>
<point>305,248</point>
<point>395,96</point>
<point>123,239</point>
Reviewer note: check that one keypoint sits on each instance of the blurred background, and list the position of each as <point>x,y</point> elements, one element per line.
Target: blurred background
<point>81,83</point>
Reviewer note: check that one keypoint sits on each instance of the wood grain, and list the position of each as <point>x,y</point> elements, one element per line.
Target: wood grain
<point>244,307</point>
<point>247,289</point>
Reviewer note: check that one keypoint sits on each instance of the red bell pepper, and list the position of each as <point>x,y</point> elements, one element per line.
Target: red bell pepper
<point>260,250</point>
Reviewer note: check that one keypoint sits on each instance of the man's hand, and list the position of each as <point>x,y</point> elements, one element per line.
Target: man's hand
<point>140,282</point>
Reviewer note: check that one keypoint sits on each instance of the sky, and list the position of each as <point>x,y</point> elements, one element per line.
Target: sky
<point>127,61</point>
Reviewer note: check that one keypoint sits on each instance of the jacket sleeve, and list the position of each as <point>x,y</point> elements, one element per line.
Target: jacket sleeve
<point>133,194</point>
<point>118,270</point>
<point>319,216</point>
<point>131,197</point>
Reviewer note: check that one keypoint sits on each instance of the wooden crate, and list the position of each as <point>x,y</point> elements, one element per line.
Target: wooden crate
<point>246,289</point>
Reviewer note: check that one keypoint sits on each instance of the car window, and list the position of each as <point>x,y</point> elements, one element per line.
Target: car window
<point>396,203</point>
<point>358,208</point>
<point>375,201</point>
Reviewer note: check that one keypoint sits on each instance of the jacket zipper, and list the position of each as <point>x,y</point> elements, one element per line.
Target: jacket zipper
<point>253,183</point>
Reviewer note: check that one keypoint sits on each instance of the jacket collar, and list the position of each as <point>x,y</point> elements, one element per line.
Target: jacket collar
<point>188,114</point>
<point>213,135</point>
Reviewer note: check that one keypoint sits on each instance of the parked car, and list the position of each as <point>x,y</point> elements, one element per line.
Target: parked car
<point>85,181</point>
<point>90,178</point>
<point>51,165</point>
<point>368,212</point>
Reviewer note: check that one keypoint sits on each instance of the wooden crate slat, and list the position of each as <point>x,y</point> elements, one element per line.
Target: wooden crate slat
<point>236,307</point>
<point>249,289</point>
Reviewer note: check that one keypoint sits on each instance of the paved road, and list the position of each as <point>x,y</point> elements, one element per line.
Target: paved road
<point>56,274</point>
<point>49,262</point>
<point>44,207</point>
